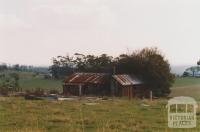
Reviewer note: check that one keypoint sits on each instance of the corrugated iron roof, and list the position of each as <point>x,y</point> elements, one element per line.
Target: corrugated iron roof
<point>95,78</point>
<point>125,79</point>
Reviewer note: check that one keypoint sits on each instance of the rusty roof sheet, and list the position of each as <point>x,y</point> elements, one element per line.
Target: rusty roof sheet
<point>126,80</point>
<point>94,78</point>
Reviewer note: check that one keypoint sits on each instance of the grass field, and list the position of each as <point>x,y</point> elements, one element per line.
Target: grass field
<point>186,86</point>
<point>19,115</point>
<point>31,81</point>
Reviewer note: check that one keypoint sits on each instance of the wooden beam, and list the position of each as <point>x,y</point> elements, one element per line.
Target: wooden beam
<point>151,95</point>
<point>80,90</point>
<point>73,84</point>
<point>131,92</point>
<point>129,95</point>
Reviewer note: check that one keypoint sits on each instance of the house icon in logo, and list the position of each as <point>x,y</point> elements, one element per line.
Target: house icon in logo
<point>182,112</point>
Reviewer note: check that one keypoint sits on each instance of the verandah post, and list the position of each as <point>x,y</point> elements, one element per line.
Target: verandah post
<point>151,95</point>
<point>80,90</point>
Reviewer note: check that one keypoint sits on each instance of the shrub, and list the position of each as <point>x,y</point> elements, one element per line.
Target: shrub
<point>4,90</point>
<point>53,91</point>
<point>47,76</point>
<point>36,92</point>
<point>39,92</point>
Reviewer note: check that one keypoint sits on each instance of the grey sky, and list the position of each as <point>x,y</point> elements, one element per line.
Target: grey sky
<point>34,31</point>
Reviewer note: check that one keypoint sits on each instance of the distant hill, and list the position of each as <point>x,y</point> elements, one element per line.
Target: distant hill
<point>179,69</point>
<point>40,69</point>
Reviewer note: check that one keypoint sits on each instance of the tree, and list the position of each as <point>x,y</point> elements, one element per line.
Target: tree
<point>16,67</point>
<point>149,65</point>
<point>3,67</point>
<point>193,69</point>
<point>102,63</point>
<point>198,62</point>
<point>62,66</point>
<point>65,65</point>
<point>15,76</point>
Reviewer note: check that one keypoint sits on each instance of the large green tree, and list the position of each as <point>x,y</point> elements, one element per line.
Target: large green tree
<point>9,82</point>
<point>62,66</point>
<point>149,65</point>
<point>65,65</point>
<point>198,62</point>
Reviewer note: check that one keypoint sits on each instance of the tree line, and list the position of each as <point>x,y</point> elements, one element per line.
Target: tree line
<point>24,68</point>
<point>148,64</point>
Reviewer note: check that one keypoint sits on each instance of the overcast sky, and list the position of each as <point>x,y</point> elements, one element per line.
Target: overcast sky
<point>34,31</point>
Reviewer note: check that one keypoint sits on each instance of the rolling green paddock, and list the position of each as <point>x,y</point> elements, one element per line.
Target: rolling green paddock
<point>29,81</point>
<point>32,81</point>
<point>186,81</point>
<point>38,82</point>
<point>187,86</point>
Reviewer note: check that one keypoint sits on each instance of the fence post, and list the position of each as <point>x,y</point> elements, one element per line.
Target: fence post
<point>151,95</point>
<point>80,90</point>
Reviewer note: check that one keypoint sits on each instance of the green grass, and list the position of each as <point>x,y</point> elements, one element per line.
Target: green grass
<point>17,114</point>
<point>39,82</point>
<point>186,86</point>
<point>186,81</point>
<point>31,81</point>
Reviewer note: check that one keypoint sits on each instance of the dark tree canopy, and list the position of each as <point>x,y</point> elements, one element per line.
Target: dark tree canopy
<point>150,65</point>
<point>62,66</point>
<point>3,67</point>
<point>198,62</point>
<point>65,65</point>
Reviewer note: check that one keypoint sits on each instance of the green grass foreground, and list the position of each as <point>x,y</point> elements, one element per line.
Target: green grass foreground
<point>19,115</point>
